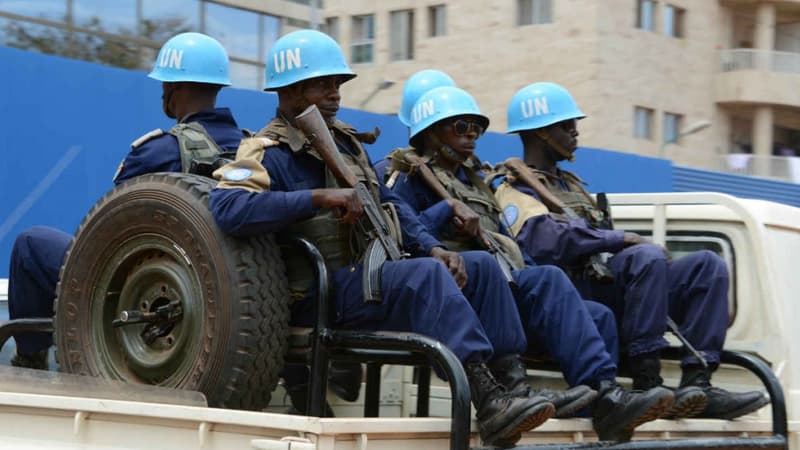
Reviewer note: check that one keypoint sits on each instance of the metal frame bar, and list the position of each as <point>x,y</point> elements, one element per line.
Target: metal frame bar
<point>377,348</point>
<point>12,327</point>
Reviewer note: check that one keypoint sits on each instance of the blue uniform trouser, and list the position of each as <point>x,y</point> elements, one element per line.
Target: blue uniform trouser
<point>558,322</point>
<point>478,323</point>
<point>419,295</point>
<point>492,299</point>
<point>693,290</point>
<point>36,260</point>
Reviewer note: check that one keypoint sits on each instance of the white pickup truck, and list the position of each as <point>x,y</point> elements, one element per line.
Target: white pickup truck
<point>758,239</point>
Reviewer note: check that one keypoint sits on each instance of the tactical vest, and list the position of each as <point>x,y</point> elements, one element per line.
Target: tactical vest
<point>473,195</point>
<point>339,243</point>
<point>576,197</point>
<point>200,154</point>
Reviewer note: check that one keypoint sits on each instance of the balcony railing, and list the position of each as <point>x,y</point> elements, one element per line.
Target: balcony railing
<point>784,168</point>
<point>750,59</point>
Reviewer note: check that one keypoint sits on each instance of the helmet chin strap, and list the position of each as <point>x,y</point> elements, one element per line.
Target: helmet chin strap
<point>447,151</point>
<point>451,154</point>
<point>543,135</point>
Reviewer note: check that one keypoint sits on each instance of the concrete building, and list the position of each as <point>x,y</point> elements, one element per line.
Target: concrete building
<point>707,83</point>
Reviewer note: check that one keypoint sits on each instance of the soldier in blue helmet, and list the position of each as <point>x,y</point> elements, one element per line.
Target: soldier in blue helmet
<point>422,294</point>
<point>416,85</point>
<point>446,123</point>
<point>193,68</point>
<point>646,285</point>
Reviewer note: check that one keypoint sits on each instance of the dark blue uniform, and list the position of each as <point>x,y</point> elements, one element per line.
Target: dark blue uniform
<point>693,290</point>
<point>38,252</point>
<point>557,320</point>
<point>419,294</point>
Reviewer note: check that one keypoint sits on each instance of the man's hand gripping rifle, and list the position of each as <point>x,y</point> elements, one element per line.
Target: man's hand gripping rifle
<point>382,244</point>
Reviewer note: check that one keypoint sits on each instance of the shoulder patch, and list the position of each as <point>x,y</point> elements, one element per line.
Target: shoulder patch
<point>238,174</point>
<point>510,214</point>
<point>146,137</point>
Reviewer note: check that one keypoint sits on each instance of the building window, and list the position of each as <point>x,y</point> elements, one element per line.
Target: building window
<point>645,14</point>
<point>363,38</point>
<point>437,20</point>
<point>401,46</point>
<point>642,122</point>
<point>532,12</point>
<point>672,125</point>
<point>331,27</point>
<point>674,18</point>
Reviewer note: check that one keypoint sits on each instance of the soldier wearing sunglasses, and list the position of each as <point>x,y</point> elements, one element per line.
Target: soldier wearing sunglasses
<point>459,208</point>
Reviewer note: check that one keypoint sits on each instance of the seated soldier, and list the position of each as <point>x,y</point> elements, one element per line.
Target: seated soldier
<point>289,185</point>
<point>460,209</point>
<point>190,85</point>
<point>645,286</point>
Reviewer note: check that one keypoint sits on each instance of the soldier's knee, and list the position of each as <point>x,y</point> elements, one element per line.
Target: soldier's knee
<point>478,260</point>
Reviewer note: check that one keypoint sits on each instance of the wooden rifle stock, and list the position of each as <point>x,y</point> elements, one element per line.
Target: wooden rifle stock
<point>381,244</point>
<point>311,123</point>
<point>522,173</point>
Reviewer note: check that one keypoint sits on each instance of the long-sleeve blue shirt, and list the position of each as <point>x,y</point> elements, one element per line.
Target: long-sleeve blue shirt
<point>293,174</point>
<point>563,243</point>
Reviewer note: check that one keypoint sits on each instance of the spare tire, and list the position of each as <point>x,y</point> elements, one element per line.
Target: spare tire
<point>195,308</point>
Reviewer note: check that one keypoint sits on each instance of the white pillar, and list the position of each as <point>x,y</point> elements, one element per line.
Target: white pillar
<point>762,139</point>
<point>764,34</point>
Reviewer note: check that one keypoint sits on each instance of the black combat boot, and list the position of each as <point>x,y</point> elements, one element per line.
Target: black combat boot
<point>722,404</point>
<point>689,400</point>
<point>510,372</point>
<point>36,360</point>
<point>618,411</point>
<point>502,417</point>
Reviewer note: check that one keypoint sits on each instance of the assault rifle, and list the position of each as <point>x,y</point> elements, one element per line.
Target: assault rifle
<point>487,240</point>
<point>381,244</point>
<point>522,173</point>
<point>596,267</point>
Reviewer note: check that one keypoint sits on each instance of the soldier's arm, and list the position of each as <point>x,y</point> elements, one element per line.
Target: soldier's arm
<point>153,152</point>
<point>254,197</point>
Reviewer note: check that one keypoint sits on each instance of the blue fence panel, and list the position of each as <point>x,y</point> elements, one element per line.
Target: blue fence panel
<point>686,179</point>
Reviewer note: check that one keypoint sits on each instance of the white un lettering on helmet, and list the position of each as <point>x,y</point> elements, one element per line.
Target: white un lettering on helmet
<point>423,110</point>
<point>534,107</point>
<point>171,58</point>
<point>286,60</point>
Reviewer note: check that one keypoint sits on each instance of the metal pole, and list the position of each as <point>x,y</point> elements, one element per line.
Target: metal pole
<point>314,20</point>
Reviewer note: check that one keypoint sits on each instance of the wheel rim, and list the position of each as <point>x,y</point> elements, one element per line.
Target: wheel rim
<point>146,272</point>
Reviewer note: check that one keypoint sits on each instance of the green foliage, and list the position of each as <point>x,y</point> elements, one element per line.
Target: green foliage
<point>121,50</point>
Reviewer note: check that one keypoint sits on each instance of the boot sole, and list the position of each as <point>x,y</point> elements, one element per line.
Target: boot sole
<point>571,408</point>
<point>688,407</point>
<point>746,409</point>
<point>653,412</point>
<point>512,432</point>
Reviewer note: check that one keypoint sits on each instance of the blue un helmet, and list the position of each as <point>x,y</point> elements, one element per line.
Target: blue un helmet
<point>301,55</point>
<point>418,84</point>
<point>539,105</point>
<point>441,103</point>
<point>192,57</point>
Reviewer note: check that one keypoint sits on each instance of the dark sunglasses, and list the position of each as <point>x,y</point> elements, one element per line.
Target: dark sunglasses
<point>462,127</point>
